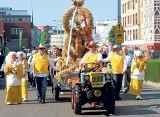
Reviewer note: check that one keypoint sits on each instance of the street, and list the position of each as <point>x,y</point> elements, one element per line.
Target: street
<point>127,107</point>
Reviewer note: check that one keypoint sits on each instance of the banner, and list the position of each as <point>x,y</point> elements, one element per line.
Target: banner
<point>20,40</point>
<point>44,37</point>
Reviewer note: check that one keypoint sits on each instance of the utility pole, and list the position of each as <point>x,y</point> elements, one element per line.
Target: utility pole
<point>3,42</point>
<point>119,11</point>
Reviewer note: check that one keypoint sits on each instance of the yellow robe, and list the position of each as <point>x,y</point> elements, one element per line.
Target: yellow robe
<point>14,75</point>
<point>24,79</point>
<point>137,77</point>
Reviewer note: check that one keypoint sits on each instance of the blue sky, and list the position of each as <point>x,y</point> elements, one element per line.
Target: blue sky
<point>45,11</point>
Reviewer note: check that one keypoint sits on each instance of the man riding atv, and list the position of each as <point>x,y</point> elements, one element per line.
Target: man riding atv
<point>92,86</point>
<point>92,56</point>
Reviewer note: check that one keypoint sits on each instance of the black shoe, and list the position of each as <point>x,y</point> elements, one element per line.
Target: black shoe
<point>118,98</point>
<point>43,101</point>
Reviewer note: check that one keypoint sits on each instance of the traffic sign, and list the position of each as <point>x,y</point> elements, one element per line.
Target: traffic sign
<point>119,33</point>
<point>119,28</point>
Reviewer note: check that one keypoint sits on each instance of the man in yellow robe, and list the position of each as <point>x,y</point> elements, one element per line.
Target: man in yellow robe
<point>13,70</point>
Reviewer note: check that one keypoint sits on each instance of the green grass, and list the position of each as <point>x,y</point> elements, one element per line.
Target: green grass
<point>152,72</point>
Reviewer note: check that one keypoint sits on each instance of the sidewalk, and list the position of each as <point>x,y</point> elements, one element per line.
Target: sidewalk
<point>153,84</point>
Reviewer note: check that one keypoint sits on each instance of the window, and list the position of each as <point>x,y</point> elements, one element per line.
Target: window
<point>8,19</point>
<point>12,19</point>
<point>136,18</point>
<point>136,34</point>
<point>133,34</point>
<point>133,19</point>
<point>16,31</point>
<point>133,4</point>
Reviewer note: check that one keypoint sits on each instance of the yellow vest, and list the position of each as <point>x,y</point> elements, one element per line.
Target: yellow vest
<point>117,64</point>
<point>92,59</point>
<point>41,65</point>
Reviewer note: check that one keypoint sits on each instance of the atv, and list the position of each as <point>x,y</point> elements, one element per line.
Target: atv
<point>93,87</point>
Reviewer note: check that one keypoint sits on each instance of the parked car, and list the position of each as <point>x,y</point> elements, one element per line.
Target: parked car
<point>2,62</point>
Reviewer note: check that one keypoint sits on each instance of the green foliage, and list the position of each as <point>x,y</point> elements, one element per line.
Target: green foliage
<point>112,37</point>
<point>152,72</point>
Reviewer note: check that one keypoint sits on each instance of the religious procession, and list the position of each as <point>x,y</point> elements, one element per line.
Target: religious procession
<point>93,73</point>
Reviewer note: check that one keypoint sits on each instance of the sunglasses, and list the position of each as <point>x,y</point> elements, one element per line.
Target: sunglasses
<point>42,48</point>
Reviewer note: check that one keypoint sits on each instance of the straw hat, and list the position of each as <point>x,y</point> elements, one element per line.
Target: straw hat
<point>41,46</point>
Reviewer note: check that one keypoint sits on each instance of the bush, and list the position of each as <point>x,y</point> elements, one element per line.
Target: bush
<point>152,72</point>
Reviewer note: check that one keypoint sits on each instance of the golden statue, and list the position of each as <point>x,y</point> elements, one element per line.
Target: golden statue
<point>79,33</point>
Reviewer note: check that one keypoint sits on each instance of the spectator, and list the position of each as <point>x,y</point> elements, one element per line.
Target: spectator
<point>32,80</point>
<point>28,54</point>
<point>127,76</point>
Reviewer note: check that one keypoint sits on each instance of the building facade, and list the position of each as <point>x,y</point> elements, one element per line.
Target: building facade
<point>141,21</point>
<point>35,35</point>
<point>11,23</point>
<point>57,40</point>
<point>103,27</point>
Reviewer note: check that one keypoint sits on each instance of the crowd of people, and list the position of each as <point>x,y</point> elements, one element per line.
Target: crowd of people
<point>35,67</point>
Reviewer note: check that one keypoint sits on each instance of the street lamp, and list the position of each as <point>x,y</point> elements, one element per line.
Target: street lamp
<point>58,27</point>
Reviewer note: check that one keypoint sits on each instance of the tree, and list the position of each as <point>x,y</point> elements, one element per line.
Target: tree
<point>112,37</point>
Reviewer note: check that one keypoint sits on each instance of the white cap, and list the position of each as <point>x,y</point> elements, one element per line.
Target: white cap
<point>138,53</point>
<point>116,46</point>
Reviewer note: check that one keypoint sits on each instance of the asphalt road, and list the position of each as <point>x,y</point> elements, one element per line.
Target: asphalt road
<point>127,107</point>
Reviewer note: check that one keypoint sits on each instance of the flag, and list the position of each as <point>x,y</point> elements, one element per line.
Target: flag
<point>44,37</point>
<point>20,40</point>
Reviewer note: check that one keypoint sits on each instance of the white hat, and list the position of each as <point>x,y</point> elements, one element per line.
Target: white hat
<point>33,52</point>
<point>21,52</point>
<point>10,54</point>
<point>138,53</point>
<point>116,46</point>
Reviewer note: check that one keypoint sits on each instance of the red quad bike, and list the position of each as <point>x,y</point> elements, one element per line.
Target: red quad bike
<point>95,88</point>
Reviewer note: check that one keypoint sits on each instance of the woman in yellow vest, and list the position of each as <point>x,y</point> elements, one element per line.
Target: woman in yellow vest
<point>39,68</point>
<point>13,69</point>
<point>21,55</point>
<point>137,74</point>
<point>92,56</point>
<point>119,67</point>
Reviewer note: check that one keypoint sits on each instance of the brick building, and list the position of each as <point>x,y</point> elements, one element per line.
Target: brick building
<point>11,23</point>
